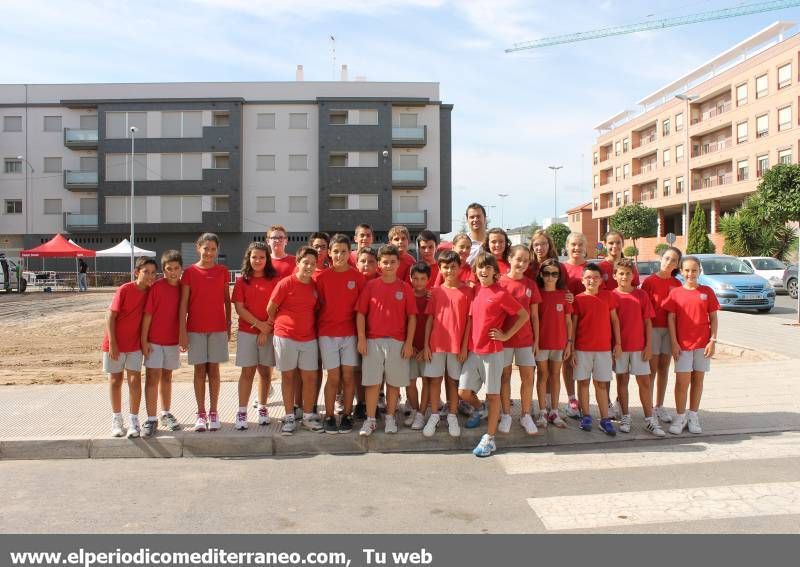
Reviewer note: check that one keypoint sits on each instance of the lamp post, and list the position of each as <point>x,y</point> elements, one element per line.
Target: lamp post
<point>27,200</point>
<point>502,209</point>
<point>555,169</point>
<point>133,130</point>
<point>687,152</point>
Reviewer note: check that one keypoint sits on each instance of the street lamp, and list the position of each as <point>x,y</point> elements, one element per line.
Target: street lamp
<point>133,130</point>
<point>502,208</point>
<point>555,169</point>
<point>489,211</point>
<point>687,152</point>
<point>27,200</point>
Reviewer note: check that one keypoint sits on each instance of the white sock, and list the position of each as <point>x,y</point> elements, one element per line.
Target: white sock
<point>134,418</point>
<point>681,416</point>
<point>117,415</point>
<point>164,412</point>
<point>692,413</point>
<point>242,409</point>
<point>572,398</point>
<point>152,418</point>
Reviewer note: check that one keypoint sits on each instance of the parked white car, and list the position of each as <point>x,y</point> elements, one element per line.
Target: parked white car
<point>768,268</point>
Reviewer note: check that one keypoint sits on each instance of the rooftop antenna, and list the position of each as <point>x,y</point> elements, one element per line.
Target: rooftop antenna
<point>333,58</point>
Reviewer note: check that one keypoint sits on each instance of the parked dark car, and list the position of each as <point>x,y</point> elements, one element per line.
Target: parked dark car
<point>790,280</point>
<point>647,267</point>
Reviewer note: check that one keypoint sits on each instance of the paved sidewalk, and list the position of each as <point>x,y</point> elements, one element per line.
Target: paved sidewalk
<point>758,332</point>
<point>73,421</point>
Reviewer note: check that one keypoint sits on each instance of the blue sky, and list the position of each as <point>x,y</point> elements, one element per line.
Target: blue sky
<point>514,113</point>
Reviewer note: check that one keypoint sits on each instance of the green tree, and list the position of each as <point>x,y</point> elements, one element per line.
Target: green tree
<point>748,233</point>
<point>661,248</point>
<point>635,221</point>
<point>631,252</point>
<point>778,196</point>
<point>558,232</point>
<point>699,243</point>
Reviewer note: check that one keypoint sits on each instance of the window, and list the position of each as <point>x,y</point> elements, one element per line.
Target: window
<point>678,185</point>
<point>617,173</point>
<point>762,165</point>
<point>88,121</point>
<point>667,190</point>
<point>762,125</point>
<point>139,120</point>
<point>665,127</point>
<point>337,202</point>
<point>368,202</point>
<point>52,165</point>
<point>619,199</point>
<point>679,153</point>
<point>298,162</point>
<point>12,123</point>
<point>594,158</point>
<point>170,166</point>
<point>784,75</point>
<point>170,124</point>
<point>184,167</point>
<point>221,161</point>
<point>13,206</point>
<point>679,121</point>
<point>265,162</point>
<point>298,120</point>
<point>13,165</point>
<point>338,117</point>
<point>52,124</point>
<point>52,206</point>
<point>265,121</point>
<point>181,208</point>
<point>667,156</point>
<point>368,117</point>
<point>182,124</point>
<point>118,210</point>
<point>118,167</point>
<point>298,204</point>
<point>596,204</point>
<point>741,94</point>
<point>616,148</point>
<point>220,204</point>
<point>88,163</point>
<point>221,119</point>
<point>742,170</point>
<point>595,181</point>
<point>626,197</point>
<point>625,145</point>
<point>118,124</point>
<point>407,120</point>
<point>265,204</point>
<point>784,118</point>
<point>626,170</point>
<point>367,159</point>
<point>785,156</point>
<point>762,86</point>
<point>337,159</point>
<point>741,132</point>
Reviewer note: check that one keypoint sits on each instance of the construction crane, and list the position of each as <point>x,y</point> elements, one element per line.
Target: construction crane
<point>743,10</point>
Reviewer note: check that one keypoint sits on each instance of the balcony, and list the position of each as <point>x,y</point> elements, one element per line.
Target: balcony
<point>77,139</point>
<point>409,137</point>
<point>410,218</point>
<point>721,108</point>
<point>645,140</point>
<point>80,180</point>
<point>713,147</point>
<point>411,178</point>
<point>74,222</point>
<point>715,181</point>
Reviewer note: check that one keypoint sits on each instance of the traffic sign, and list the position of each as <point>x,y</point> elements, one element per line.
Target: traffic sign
<point>671,238</point>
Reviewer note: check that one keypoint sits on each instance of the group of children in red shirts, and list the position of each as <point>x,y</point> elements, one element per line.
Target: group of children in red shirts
<point>381,318</point>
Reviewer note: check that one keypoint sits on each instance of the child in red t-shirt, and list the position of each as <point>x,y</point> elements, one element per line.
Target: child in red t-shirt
<point>122,348</point>
<point>498,245</point>
<point>555,339</point>
<point>282,262</point>
<point>205,325</point>
<point>418,400</point>
<point>339,288</point>
<point>573,271</point>
<point>363,238</point>
<point>367,265</point>
<point>291,314</point>
<point>490,308</point>
<point>635,314</point>
<point>658,286</point>
<point>386,321</point>
<point>426,248</point>
<point>254,349</point>
<point>692,319</point>
<point>399,237</point>
<point>160,332</point>
<point>615,243</point>
<point>595,324</point>
<point>462,244</point>
<point>446,341</point>
<point>521,347</point>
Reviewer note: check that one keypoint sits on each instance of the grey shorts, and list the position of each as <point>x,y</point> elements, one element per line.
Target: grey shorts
<point>338,351</point>
<point>291,354</point>
<point>480,369</point>
<point>416,368</point>
<point>249,353</point>
<point>441,364</point>
<point>523,356</point>
<point>693,361</point>
<point>661,343</point>
<point>208,347</point>
<point>384,357</point>
<point>596,365</point>
<point>166,357</point>
<point>554,355</point>
<point>126,361</point>
<point>632,363</point>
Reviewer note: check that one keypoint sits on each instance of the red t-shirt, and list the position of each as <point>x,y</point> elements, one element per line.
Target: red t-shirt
<point>338,295</point>
<point>594,321</point>
<point>128,303</point>
<point>607,271</point>
<point>206,298</point>
<point>297,303</point>
<point>255,296</point>
<point>658,289</point>
<point>574,277</point>
<point>433,277</point>
<point>449,308</point>
<point>464,275</point>
<point>526,292</point>
<point>285,266</point>
<point>502,270</point>
<point>353,258</point>
<point>552,320</point>
<point>387,307</point>
<point>419,331</point>
<point>163,303</point>
<point>489,310</point>
<point>632,310</point>
<point>691,308</point>
<point>404,266</point>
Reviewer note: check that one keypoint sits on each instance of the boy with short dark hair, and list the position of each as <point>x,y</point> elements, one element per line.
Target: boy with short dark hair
<point>363,238</point>
<point>399,237</point>
<point>420,276</point>
<point>426,250</point>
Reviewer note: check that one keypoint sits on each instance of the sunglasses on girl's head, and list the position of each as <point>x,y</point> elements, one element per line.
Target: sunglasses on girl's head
<point>549,274</point>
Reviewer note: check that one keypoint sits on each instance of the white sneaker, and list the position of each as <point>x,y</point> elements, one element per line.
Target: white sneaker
<point>651,424</point>
<point>694,423</point>
<point>263,416</point>
<point>391,425</point>
<point>419,421</point>
<point>572,409</point>
<point>410,418</point>
<point>201,423</point>
<point>505,423</point>
<point>430,427</point>
<point>556,420</point>
<point>615,411</point>
<point>526,421</point>
<point>678,424</point>
<point>289,424</point>
<point>241,421</point>
<point>133,428</point>
<point>338,405</point>
<point>452,425</point>
<point>541,421</point>
<point>117,426</point>
<point>312,424</point>
<point>662,415</point>
<point>625,424</point>
<point>368,427</point>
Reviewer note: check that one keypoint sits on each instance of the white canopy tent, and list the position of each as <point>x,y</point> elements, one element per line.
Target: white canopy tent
<point>123,250</point>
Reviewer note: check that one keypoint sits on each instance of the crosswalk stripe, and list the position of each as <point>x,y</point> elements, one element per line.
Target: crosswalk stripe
<point>589,511</point>
<point>785,445</point>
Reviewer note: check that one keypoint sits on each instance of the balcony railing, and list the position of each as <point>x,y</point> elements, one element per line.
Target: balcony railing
<point>715,181</point>
<point>76,138</point>
<point>409,137</point>
<point>80,180</point>
<point>410,177</point>
<point>711,148</point>
<point>647,196</point>
<point>77,222</point>
<point>646,168</point>
<point>646,139</point>
<point>713,112</point>
<point>410,218</point>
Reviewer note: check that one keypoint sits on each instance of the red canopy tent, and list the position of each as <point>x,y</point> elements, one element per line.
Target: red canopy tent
<point>59,247</point>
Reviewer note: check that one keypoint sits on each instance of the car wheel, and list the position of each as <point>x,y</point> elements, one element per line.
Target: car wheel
<point>23,285</point>
<point>791,287</point>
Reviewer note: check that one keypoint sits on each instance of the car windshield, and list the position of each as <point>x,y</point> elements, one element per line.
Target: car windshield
<point>767,264</point>
<point>723,266</point>
<point>647,268</point>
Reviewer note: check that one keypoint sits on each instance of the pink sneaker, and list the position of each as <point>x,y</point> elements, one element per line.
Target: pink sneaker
<point>201,424</point>
<point>573,409</point>
<point>213,421</point>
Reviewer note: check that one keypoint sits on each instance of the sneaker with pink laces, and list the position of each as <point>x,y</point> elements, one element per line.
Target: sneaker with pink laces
<point>573,409</point>
<point>213,421</point>
<point>263,415</point>
<point>201,424</point>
